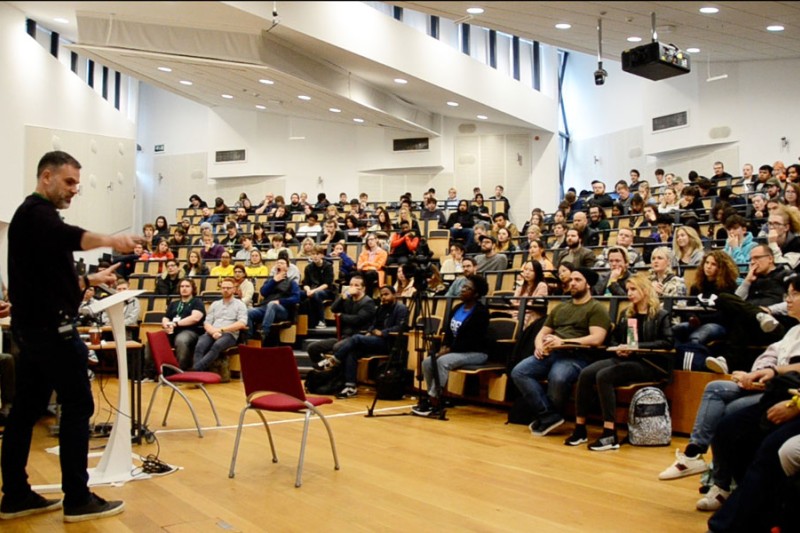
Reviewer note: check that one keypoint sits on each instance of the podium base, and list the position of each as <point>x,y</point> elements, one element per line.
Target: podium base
<point>96,477</point>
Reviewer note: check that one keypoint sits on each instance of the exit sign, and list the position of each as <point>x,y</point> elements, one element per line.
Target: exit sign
<point>159,148</point>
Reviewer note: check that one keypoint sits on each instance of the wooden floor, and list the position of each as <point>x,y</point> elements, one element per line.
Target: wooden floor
<point>471,473</point>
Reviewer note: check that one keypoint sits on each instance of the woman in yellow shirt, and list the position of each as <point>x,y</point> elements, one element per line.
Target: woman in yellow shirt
<point>256,268</point>
<point>225,268</point>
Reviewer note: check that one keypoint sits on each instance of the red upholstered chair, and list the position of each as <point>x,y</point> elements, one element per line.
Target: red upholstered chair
<point>272,383</point>
<point>163,357</point>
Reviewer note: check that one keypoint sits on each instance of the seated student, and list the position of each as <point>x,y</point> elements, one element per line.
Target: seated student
<point>210,249</point>
<point>167,283</point>
<point>243,254</point>
<point>612,283</point>
<point>390,317</point>
<point>183,322</point>
<point>132,308</point>
<point>306,248</point>
<point>403,245</point>
<point>318,286</point>
<point>177,240</point>
<point>148,233</point>
<point>311,228</point>
<point>256,267</point>
<point>504,244</point>
<point>331,232</point>
<point>665,281</point>
<point>225,319</point>
<point>784,225</point>
<point>232,238</point>
<point>346,265</point>
<point>243,287</point>
<point>404,286</point>
<point>371,262</point>
<point>579,321</point>
<point>464,343</point>
<point>225,268</point>
<point>490,259</point>
<point>739,241</point>
<point>278,295</point>
<point>162,253</point>
<point>277,246</point>
<point>194,265</point>
<point>532,285</point>
<point>451,266</point>
<point>654,332</point>
<point>460,223</point>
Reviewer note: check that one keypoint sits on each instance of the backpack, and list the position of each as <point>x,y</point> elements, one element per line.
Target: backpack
<point>649,423</point>
<point>391,381</point>
<point>327,382</point>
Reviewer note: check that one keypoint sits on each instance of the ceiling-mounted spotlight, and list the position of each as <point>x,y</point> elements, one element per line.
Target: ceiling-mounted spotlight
<point>600,74</point>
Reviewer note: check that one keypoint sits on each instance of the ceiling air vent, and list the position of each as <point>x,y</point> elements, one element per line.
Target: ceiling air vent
<point>668,122</point>
<point>230,156</point>
<point>410,145</point>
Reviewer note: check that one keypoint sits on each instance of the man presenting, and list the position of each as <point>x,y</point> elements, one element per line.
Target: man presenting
<point>52,355</point>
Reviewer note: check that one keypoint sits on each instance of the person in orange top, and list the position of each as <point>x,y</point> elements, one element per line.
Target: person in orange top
<point>371,262</point>
<point>403,244</point>
<point>162,253</point>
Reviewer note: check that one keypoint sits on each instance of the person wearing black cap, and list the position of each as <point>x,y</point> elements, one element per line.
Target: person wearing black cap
<point>490,259</point>
<point>580,322</point>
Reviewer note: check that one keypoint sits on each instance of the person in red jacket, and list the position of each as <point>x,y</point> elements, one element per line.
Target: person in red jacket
<point>403,245</point>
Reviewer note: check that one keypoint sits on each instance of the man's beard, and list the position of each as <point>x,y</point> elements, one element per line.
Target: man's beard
<point>577,295</point>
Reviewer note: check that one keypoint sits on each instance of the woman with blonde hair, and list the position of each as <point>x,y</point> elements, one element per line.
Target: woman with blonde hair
<point>687,246</point>
<point>306,248</point>
<point>669,201</point>
<point>665,281</point>
<point>654,332</point>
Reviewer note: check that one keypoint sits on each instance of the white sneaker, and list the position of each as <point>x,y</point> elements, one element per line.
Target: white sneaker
<point>713,500</point>
<point>717,364</point>
<point>684,466</point>
<point>767,322</point>
<point>321,325</point>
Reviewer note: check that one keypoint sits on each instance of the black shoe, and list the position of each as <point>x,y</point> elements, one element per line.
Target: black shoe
<point>423,408</point>
<point>33,504</point>
<point>577,438</point>
<point>607,442</point>
<point>97,507</point>
<point>547,424</point>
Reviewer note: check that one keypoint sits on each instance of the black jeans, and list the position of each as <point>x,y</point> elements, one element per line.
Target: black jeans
<point>607,374</point>
<point>49,362</point>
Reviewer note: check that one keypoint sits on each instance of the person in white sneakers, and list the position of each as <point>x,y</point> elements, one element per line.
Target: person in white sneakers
<point>721,398</point>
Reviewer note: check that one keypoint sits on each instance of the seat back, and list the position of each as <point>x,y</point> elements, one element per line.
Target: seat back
<point>161,350</point>
<point>270,369</point>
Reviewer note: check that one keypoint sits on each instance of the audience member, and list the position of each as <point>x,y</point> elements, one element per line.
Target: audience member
<point>464,343</point>
<point>490,259</point>
<point>575,253</point>
<point>223,323</point>
<point>371,262</point>
<point>784,226</point>
<point>255,268</point>
<point>194,266</point>
<point>243,287</point>
<point>687,246</point>
<point>167,282</point>
<point>665,282</point>
<point>225,268</point>
<point>279,296</point>
<point>558,356</point>
<point>613,282</point>
<point>183,322</point>
<point>600,198</point>
<point>318,286</point>
<point>532,285</point>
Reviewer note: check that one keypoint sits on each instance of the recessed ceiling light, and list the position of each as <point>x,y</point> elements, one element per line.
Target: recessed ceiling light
<point>634,39</point>
<point>693,50</point>
<point>775,27</point>
<point>563,26</point>
<point>359,120</point>
<point>185,82</point>
<point>266,81</point>
<point>475,10</point>
<point>452,104</point>
<point>227,96</point>
<point>483,117</point>
<point>259,106</point>
<point>334,110</point>
<point>165,69</point>
<point>400,81</point>
<point>61,20</point>
<point>709,10</point>
<point>304,97</point>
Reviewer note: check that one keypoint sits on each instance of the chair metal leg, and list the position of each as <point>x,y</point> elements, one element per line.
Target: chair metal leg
<point>299,479</point>
<point>188,403</point>
<point>269,434</point>
<point>211,402</point>
<point>236,443</point>
<point>150,405</point>
<point>169,405</point>
<point>330,436</point>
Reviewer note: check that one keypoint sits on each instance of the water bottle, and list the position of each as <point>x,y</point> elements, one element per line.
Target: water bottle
<point>633,333</point>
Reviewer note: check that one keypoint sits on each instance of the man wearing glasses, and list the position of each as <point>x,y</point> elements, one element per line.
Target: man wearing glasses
<point>748,312</point>
<point>783,225</point>
<point>224,320</point>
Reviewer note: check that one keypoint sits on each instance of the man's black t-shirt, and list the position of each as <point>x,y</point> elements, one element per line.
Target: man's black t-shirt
<point>183,309</point>
<point>43,287</point>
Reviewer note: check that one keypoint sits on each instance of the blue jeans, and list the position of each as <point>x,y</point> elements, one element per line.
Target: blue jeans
<point>265,316</point>
<point>702,335</point>
<point>446,363</point>
<point>720,398</point>
<point>208,350</point>
<point>350,350</point>
<point>463,233</point>
<point>316,306</point>
<point>561,372</point>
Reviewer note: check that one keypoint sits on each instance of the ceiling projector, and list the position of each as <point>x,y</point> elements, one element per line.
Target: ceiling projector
<point>655,61</point>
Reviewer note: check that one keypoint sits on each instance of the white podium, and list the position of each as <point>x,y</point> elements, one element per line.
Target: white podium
<point>116,461</point>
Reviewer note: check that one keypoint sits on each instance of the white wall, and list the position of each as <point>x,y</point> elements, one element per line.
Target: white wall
<point>37,90</point>
<point>736,120</point>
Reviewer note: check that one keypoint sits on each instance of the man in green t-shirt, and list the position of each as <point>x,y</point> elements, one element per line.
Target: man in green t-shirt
<point>579,322</point>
